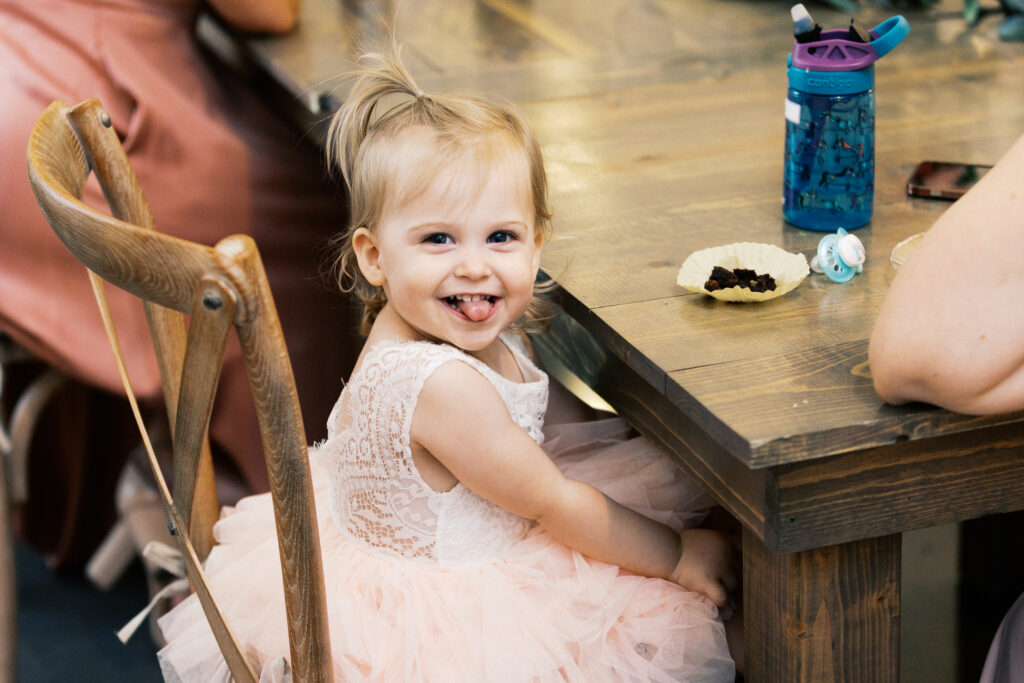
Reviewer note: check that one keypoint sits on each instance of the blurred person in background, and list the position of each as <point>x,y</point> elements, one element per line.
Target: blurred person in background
<point>212,160</point>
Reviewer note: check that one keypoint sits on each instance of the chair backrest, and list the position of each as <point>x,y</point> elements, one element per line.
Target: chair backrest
<point>219,287</point>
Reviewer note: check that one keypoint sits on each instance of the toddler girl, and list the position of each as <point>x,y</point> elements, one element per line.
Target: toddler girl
<point>455,548</point>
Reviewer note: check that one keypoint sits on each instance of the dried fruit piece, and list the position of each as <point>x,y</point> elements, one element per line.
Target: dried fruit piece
<point>722,278</point>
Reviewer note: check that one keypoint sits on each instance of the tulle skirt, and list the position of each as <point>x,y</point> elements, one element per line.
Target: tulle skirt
<point>543,612</point>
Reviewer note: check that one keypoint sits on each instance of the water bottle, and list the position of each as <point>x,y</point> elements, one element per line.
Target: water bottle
<point>829,170</point>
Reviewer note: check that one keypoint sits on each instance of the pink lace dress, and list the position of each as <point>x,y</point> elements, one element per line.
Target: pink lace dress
<point>425,585</point>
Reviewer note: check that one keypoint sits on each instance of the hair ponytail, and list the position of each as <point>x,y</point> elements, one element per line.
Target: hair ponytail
<point>379,78</point>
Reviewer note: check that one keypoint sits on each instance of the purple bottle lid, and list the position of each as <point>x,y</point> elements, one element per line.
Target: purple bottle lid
<point>835,52</point>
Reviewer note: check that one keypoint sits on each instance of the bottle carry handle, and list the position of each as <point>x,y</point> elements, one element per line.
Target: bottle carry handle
<point>890,33</point>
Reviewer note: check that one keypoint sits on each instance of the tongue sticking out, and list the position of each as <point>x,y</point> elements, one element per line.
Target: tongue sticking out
<point>475,310</point>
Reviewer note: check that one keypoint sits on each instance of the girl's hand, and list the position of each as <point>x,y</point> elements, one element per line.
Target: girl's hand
<point>706,564</point>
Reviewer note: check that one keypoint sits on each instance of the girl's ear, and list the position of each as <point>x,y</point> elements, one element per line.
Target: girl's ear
<point>364,244</point>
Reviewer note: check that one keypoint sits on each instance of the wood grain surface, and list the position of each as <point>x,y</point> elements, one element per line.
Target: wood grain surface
<point>833,613</point>
<point>662,130</point>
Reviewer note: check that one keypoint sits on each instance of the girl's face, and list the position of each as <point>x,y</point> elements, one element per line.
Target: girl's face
<point>457,265</point>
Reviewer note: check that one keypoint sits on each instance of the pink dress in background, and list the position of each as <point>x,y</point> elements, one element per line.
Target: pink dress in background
<point>211,162</point>
<point>425,585</point>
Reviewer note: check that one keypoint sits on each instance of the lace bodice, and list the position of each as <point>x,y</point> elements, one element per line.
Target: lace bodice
<point>377,495</point>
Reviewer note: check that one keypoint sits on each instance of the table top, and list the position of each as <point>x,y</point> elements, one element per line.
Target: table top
<point>662,128</point>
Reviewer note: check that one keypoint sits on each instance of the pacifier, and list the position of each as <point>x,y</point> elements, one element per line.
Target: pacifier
<point>840,256</point>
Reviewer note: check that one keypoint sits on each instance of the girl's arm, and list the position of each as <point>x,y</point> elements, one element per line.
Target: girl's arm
<point>261,16</point>
<point>951,330</point>
<point>463,422</point>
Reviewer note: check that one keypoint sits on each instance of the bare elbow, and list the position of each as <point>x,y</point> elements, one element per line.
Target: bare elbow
<point>886,391</point>
<point>259,17</point>
<point>901,378</point>
<point>281,21</point>
<point>890,376</point>
<point>903,368</point>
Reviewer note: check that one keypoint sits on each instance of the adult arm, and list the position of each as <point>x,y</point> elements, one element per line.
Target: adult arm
<point>951,329</point>
<point>261,16</point>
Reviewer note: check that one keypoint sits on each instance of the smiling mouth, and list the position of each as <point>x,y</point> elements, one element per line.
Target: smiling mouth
<point>475,307</point>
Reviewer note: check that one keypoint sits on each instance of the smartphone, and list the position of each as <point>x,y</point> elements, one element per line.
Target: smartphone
<point>944,179</point>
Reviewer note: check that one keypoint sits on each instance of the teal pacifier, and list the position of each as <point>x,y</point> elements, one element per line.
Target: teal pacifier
<point>840,256</point>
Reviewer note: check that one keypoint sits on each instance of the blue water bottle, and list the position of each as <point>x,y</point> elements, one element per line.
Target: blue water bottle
<point>829,171</point>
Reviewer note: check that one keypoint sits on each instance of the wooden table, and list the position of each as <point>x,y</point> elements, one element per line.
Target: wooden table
<point>662,126</point>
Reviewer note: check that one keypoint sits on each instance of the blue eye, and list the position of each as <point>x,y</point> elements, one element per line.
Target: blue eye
<point>501,237</point>
<point>438,238</point>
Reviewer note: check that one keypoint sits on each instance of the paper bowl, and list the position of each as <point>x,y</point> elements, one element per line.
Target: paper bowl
<point>787,268</point>
<point>901,252</point>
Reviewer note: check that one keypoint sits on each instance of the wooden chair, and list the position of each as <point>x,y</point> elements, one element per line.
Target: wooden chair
<point>16,432</point>
<point>219,287</point>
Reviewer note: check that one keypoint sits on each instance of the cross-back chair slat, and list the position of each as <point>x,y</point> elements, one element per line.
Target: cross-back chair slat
<point>219,287</point>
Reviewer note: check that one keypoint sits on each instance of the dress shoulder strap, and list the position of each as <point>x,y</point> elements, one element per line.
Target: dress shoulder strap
<point>388,383</point>
<point>516,341</point>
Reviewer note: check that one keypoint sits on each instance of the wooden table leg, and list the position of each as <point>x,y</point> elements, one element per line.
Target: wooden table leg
<point>830,614</point>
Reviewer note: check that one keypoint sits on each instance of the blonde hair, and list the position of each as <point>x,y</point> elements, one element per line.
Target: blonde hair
<point>365,141</point>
